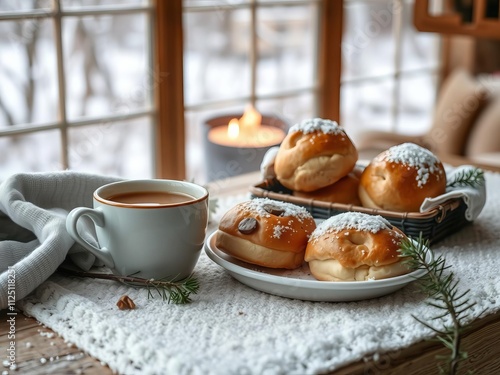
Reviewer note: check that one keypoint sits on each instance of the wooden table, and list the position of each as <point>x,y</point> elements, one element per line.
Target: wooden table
<point>39,350</point>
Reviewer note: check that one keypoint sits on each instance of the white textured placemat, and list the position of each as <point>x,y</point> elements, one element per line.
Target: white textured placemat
<point>232,329</point>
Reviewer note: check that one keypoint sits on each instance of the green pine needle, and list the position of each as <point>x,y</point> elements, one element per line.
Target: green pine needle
<point>171,291</point>
<point>441,287</point>
<point>176,292</point>
<point>473,177</point>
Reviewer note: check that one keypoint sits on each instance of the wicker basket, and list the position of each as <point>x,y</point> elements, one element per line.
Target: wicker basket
<point>434,225</point>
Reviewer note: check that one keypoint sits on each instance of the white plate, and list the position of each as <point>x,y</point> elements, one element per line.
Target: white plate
<point>300,284</point>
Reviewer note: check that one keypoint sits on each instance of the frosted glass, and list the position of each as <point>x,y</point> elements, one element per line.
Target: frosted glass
<point>28,72</point>
<point>121,149</point>
<point>106,65</point>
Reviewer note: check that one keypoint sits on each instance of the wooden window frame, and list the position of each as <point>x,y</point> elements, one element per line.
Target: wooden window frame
<point>451,22</point>
<point>169,111</point>
<point>167,51</point>
<point>169,90</point>
<point>330,59</point>
<point>170,158</point>
<point>170,142</point>
<point>55,13</point>
<point>170,106</point>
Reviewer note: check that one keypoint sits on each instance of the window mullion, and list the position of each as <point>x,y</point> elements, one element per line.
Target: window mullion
<point>170,137</point>
<point>397,11</point>
<point>61,84</point>
<point>330,58</point>
<point>253,52</point>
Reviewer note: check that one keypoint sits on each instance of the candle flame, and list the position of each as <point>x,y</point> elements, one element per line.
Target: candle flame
<point>233,129</point>
<point>251,118</point>
<point>246,125</point>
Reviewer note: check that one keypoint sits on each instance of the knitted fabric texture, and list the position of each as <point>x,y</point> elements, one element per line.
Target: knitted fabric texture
<point>33,236</point>
<point>230,328</point>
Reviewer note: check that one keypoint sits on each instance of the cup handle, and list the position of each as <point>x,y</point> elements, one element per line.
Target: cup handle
<point>98,218</point>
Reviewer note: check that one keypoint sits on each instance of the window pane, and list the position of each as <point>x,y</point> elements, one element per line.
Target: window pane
<point>23,5</point>
<point>366,106</point>
<point>286,47</point>
<point>368,42</point>
<point>121,149</point>
<point>291,110</point>
<point>216,51</point>
<point>283,1</point>
<point>28,72</point>
<point>416,103</point>
<point>86,3</point>
<point>213,3</point>
<point>106,65</point>
<point>419,50</point>
<point>35,152</point>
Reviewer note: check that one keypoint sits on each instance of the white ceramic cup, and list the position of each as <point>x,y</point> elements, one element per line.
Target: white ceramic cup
<point>147,240</point>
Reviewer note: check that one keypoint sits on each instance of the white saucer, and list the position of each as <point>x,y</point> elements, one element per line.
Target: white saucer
<point>300,284</point>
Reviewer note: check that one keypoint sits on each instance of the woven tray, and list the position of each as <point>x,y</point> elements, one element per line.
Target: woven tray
<point>434,225</point>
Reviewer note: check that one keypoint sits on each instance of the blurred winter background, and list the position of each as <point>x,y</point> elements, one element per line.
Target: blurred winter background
<point>103,90</point>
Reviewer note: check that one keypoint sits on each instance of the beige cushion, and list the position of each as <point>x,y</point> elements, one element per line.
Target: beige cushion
<point>460,100</point>
<point>490,159</point>
<point>484,137</point>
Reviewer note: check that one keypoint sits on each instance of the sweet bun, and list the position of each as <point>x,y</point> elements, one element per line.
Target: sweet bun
<point>400,178</point>
<point>266,232</point>
<point>343,191</point>
<point>315,153</point>
<point>354,246</point>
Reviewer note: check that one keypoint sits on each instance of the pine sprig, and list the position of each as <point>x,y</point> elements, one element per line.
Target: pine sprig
<point>473,177</point>
<point>441,287</point>
<point>171,291</point>
<point>177,293</point>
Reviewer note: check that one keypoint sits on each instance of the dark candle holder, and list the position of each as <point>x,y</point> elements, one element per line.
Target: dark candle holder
<point>226,161</point>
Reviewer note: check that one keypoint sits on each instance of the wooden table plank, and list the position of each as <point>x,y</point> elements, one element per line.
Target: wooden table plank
<point>39,350</point>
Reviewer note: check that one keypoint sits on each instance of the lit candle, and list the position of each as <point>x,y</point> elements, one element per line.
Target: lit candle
<point>246,132</point>
<point>234,146</point>
<point>233,129</point>
<point>250,120</point>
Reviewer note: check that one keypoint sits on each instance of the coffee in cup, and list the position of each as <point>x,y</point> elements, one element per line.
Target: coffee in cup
<point>150,198</point>
<point>146,228</point>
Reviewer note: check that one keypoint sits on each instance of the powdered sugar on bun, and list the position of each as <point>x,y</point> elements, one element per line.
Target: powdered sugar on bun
<point>266,232</point>
<point>315,153</point>
<point>317,124</point>
<point>414,156</point>
<point>261,206</point>
<point>355,247</point>
<point>400,178</point>
<point>351,220</point>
